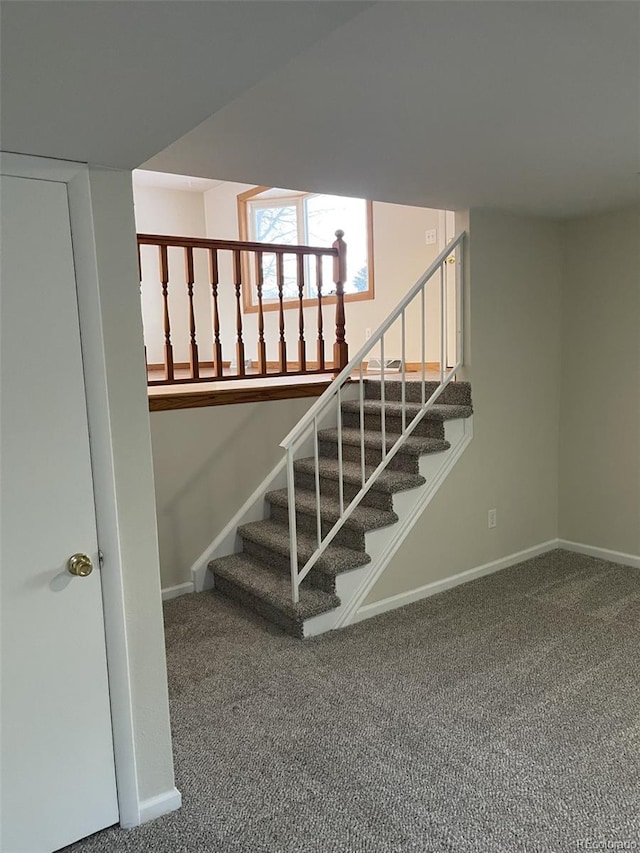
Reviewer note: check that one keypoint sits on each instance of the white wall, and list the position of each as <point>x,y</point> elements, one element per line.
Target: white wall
<point>175,212</point>
<point>126,423</point>
<point>513,361</point>
<point>600,408</point>
<point>400,257</point>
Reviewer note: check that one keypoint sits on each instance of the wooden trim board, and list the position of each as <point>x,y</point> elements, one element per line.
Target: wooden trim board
<point>225,396</point>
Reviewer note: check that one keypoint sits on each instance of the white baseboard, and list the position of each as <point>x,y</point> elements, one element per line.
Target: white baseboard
<point>600,553</point>
<point>403,598</point>
<point>159,805</point>
<point>175,591</point>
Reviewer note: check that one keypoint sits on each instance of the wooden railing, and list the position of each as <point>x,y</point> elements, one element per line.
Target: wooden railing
<point>227,326</point>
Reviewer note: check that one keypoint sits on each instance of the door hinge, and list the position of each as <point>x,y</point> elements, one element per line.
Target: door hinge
<point>100,559</point>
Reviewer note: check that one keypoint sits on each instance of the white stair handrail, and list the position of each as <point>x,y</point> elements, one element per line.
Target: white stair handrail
<point>308,424</point>
<point>307,419</point>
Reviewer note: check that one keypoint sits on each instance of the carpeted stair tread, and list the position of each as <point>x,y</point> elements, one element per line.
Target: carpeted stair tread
<point>363,518</point>
<point>412,446</point>
<point>457,392</point>
<point>389,481</point>
<point>272,587</point>
<point>335,559</point>
<point>437,412</point>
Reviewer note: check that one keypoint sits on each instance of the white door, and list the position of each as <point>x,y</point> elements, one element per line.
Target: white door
<point>57,774</point>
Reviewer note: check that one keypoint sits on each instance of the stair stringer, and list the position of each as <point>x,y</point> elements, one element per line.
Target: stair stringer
<point>255,508</point>
<point>354,586</point>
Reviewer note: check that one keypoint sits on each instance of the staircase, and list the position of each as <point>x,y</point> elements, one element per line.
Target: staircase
<point>259,576</point>
<point>359,469</point>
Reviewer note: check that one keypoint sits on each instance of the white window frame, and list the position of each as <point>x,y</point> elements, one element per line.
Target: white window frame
<point>255,199</point>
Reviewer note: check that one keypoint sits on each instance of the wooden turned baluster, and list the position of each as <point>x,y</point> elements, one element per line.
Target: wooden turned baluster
<point>282,345</point>
<point>340,348</point>
<point>302,347</point>
<point>168,348</point>
<point>142,308</point>
<point>319,260</point>
<point>237,278</point>
<point>194,363</point>
<point>262,347</point>
<point>217,346</point>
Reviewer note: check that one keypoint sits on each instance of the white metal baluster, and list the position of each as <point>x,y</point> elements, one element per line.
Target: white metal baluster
<point>459,305</point>
<point>423,336</point>
<point>445,312</point>
<point>404,371</point>
<point>317,477</point>
<point>442,322</point>
<point>383,413</point>
<point>293,534</point>
<point>340,480</point>
<point>362,462</point>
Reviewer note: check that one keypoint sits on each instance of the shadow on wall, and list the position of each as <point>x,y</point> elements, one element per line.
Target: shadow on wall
<point>207,462</point>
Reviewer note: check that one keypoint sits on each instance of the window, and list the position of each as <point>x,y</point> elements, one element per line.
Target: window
<point>271,215</point>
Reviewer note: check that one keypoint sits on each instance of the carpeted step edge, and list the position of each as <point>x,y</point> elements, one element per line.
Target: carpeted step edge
<point>268,592</point>
<point>412,446</point>
<point>393,408</point>
<point>362,519</point>
<point>389,482</point>
<point>455,393</point>
<point>275,537</point>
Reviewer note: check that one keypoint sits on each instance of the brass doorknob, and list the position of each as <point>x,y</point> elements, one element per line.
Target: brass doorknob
<point>80,565</point>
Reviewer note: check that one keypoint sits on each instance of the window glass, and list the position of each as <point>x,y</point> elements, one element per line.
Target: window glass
<point>286,216</point>
<point>324,214</point>
<point>276,223</point>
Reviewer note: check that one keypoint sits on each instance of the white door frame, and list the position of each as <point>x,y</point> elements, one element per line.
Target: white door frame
<point>76,177</point>
<point>446,233</point>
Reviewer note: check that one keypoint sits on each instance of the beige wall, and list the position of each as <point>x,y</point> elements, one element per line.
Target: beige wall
<point>600,408</point>
<point>400,257</point>
<point>207,462</point>
<point>513,357</point>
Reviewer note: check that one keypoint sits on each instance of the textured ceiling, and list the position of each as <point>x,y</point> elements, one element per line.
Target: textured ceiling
<point>529,106</point>
<point>114,82</point>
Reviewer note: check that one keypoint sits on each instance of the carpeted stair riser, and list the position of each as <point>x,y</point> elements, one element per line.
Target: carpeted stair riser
<point>346,536</point>
<point>330,488</point>
<point>427,427</point>
<point>275,538</point>
<point>372,456</point>
<point>456,393</point>
<point>272,614</point>
<point>317,578</point>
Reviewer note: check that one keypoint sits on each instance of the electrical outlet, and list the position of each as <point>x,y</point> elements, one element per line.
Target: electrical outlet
<point>492,518</point>
<point>367,334</point>
<point>431,236</point>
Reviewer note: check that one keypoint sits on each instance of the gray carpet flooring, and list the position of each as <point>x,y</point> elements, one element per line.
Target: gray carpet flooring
<point>503,715</point>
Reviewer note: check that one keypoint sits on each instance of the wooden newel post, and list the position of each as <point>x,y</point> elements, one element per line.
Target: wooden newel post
<point>340,348</point>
